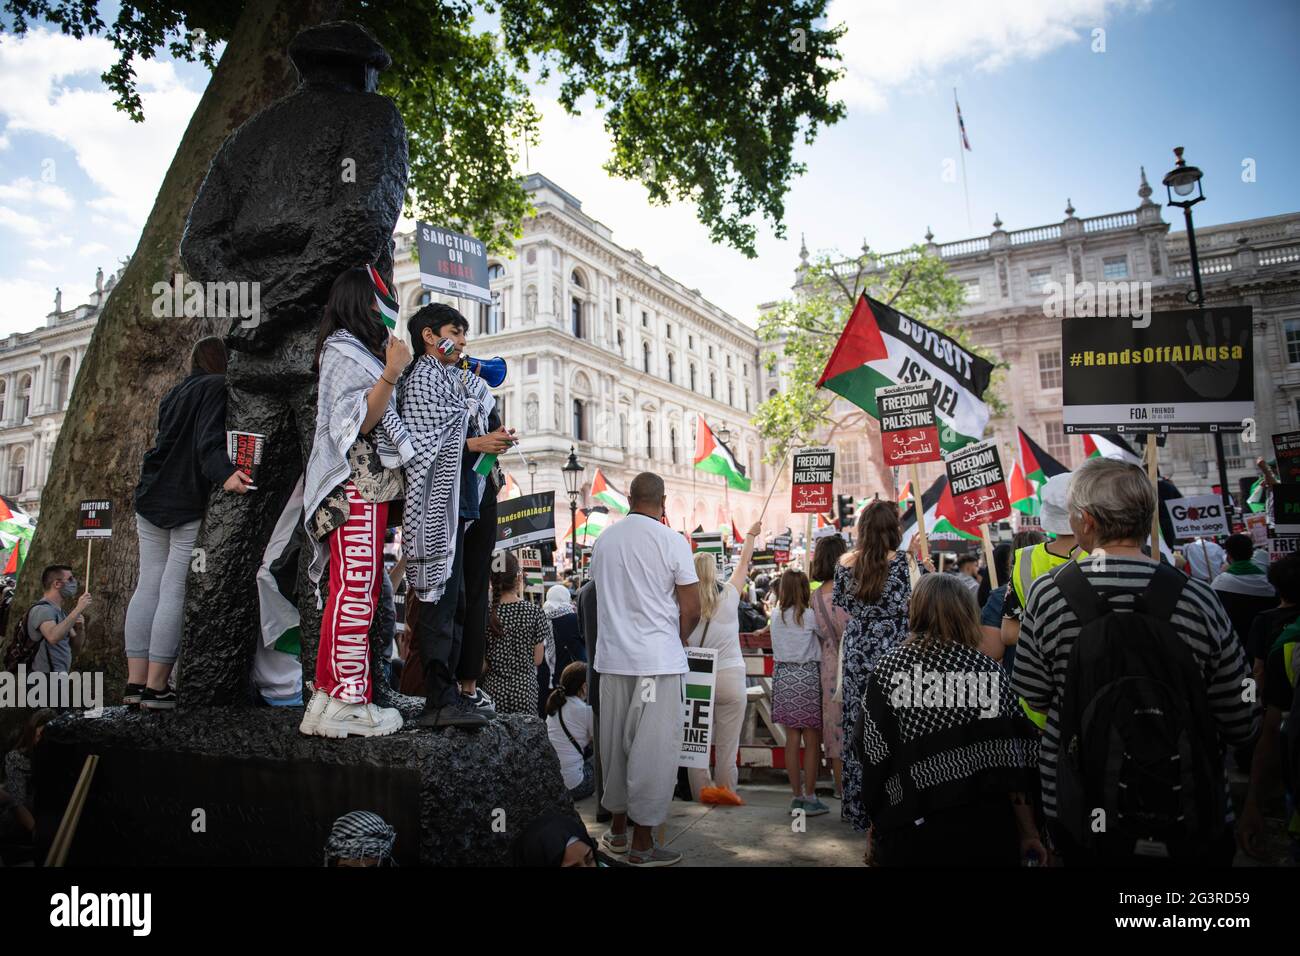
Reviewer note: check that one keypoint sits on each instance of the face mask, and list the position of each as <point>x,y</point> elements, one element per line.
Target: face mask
<point>69,588</point>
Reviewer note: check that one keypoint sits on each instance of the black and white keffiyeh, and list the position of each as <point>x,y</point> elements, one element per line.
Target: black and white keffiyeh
<point>360,835</point>
<point>437,402</point>
<point>348,371</point>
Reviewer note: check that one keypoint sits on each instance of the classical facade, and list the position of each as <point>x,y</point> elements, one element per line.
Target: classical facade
<point>609,355</point>
<point>1006,275</point>
<point>37,372</point>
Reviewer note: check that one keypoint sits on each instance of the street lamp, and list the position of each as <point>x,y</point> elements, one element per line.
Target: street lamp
<point>573,470</point>
<point>1184,182</point>
<point>532,473</point>
<point>724,434</point>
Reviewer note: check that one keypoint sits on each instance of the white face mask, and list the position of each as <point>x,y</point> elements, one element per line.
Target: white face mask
<point>69,588</point>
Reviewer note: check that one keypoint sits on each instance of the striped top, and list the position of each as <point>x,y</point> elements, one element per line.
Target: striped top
<point>1049,629</point>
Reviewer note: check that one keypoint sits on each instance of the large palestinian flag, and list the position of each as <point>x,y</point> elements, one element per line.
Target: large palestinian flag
<point>16,531</point>
<point>605,492</point>
<point>941,521</point>
<point>1038,465</point>
<point>1023,494</point>
<point>590,523</point>
<point>1110,446</point>
<point>881,346</point>
<point>716,458</point>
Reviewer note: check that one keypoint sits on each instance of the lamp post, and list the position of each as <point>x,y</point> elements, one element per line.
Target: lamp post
<point>573,470</point>
<point>1184,182</point>
<point>532,473</point>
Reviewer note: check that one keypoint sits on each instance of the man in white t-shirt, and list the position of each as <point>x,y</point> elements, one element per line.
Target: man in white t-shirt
<point>647,606</point>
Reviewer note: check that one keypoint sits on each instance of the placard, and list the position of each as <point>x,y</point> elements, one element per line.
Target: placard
<point>1287,448</point>
<point>909,431</point>
<point>978,484</point>
<point>245,451</point>
<point>811,481</point>
<point>697,699</point>
<point>1197,516</point>
<point>763,559</point>
<point>452,263</point>
<point>1279,548</point>
<point>1188,370</point>
<point>1286,509</point>
<point>527,519</point>
<point>1257,528</point>
<point>709,542</point>
<point>95,519</point>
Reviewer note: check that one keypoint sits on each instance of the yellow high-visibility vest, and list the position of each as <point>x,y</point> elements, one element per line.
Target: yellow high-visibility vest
<point>1032,563</point>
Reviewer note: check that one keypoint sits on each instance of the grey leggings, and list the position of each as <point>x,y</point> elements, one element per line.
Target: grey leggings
<point>153,618</point>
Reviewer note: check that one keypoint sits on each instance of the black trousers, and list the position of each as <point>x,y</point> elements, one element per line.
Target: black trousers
<point>480,539</point>
<point>1218,853</point>
<point>439,631</point>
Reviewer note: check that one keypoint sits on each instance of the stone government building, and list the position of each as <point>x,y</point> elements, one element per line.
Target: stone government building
<point>611,356</point>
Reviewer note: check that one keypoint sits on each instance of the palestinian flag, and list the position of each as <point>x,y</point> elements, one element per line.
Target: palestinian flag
<point>735,533</point>
<point>940,516</point>
<point>602,490</point>
<point>880,346</point>
<point>904,496</point>
<point>824,528</point>
<point>385,301</point>
<point>1024,496</point>
<point>590,523</point>
<point>1038,464</point>
<point>511,489</point>
<point>16,531</point>
<point>1110,446</point>
<point>1256,500</point>
<point>716,458</point>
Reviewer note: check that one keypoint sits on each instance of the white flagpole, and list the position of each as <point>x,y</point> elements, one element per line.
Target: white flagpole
<point>961,151</point>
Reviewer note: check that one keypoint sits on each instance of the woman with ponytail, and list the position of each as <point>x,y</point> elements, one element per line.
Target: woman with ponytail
<point>517,635</point>
<point>872,585</point>
<point>569,725</point>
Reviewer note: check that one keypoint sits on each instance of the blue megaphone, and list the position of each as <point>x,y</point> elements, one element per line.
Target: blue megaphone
<point>492,371</point>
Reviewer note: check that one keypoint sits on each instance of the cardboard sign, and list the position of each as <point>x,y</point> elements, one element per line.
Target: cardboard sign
<point>697,694</point>
<point>1189,370</point>
<point>1199,516</point>
<point>812,480</point>
<point>452,263</point>
<point>763,559</point>
<point>527,519</point>
<point>909,431</point>
<point>710,542</point>
<point>1286,509</point>
<point>1257,528</point>
<point>979,488</point>
<point>1279,548</point>
<point>95,519</point>
<point>245,451</point>
<point>1287,448</point>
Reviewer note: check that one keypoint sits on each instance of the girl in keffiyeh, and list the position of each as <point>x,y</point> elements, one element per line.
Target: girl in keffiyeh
<point>352,476</point>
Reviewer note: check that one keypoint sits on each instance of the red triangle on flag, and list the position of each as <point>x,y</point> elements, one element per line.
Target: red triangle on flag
<point>859,343</point>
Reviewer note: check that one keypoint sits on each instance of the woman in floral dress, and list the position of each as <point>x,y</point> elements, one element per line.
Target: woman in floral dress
<point>872,585</point>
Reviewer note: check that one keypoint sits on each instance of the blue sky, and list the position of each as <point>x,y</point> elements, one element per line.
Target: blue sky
<point>1048,118</point>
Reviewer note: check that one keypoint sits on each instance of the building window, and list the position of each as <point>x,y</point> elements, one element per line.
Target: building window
<point>744,369</point>
<point>713,385</point>
<point>62,381</point>
<point>670,330</point>
<point>746,399</point>
<point>971,288</point>
<point>731,393</point>
<point>618,306</point>
<point>728,361</point>
<point>619,336</point>
<point>579,421</point>
<point>622,431</point>
<point>576,315</point>
<point>425,298</point>
<point>710,351</point>
<point>17,471</point>
<point>24,398</point>
<point>645,320</point>
<point>1038,279</point>
<point>692,369</point>
<point>1293,341</point>
<point>531,366</point>
<point>771,393</point>
<point>1114,267</point>
<point>1232,456</point>
<point>1058,443</point>
<point>1049,369</point>
<point>4,395</point>
<point>649,439</point>
<point>850,463</point>
<point>690,341</point>
<point>496,271</point>
<point>645,357</point>
<point>672,362</point>
<point>672,433</point>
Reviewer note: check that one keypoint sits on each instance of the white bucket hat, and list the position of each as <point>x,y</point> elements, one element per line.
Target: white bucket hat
<point>1055,516</point>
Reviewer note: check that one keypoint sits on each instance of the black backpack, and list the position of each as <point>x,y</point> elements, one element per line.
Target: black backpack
<point>21,649</point>
<point>1137,737</point>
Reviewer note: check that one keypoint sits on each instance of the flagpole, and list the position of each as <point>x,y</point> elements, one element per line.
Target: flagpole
<point>1153,473</point>
<point>919,504</point>
<point>776,479</point>
<point>961,151</point>
<point>988,555</point>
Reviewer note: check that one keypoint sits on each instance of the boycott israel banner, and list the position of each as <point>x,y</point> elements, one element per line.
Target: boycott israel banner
<point>527,519</point>
<point>1287,448</point>
<point>697,694</point>
<point>909,431</point>
<point>1187,371</point>
<point>95,519</point>
<point>452,263</point>
<point>1197,517</point>
<point>978,485</point>
<point>811,480</point>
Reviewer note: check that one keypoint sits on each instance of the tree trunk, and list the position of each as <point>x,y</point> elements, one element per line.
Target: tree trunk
<point>135,357</point>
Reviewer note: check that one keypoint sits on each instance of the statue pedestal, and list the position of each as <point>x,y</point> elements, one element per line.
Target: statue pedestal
<point>241,786</point>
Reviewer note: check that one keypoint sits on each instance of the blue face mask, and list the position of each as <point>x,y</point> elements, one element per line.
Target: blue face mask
<point>69,588</point>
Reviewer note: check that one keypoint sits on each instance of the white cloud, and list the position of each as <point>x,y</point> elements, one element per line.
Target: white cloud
<point>51,242</point>
<point>38,265</point>
<point>896,43</point>
<point>4,142</point>
<point>27,303</point>
<point>25,189</point>
<point>19,222</point>
<point>93,248</point>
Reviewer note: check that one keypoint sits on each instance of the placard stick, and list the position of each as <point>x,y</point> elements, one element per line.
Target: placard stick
<point>776,480</point>
<point>1152,473</point>
<point>89,542</point>
<point>58,853</point>
<point>988,555</point>
<point>920,511</point>
<point>808,546</point>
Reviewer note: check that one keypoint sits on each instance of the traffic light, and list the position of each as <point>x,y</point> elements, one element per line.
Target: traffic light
<point>844,508</point>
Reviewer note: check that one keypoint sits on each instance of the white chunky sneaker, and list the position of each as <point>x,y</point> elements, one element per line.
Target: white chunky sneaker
<point>340,719</point>
<point>311,717</point>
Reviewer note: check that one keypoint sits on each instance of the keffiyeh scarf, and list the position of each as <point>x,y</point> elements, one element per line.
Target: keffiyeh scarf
<point>348,371</point>
<point>437,403</point>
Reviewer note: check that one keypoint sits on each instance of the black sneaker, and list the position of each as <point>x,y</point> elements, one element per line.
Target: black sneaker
<point>456,713</point>
<point>158,699</point>
<point>131,696</point>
